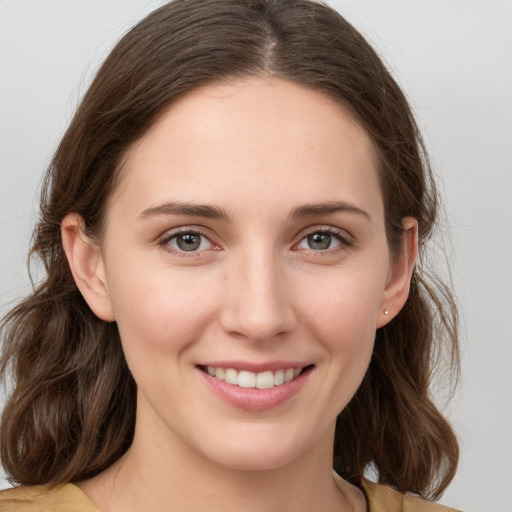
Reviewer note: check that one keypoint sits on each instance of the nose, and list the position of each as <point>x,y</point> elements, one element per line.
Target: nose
<point>257,305</point>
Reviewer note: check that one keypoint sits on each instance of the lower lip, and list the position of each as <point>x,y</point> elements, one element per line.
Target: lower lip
<point>253,399</point>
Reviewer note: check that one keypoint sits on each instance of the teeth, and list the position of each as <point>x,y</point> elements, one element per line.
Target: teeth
<point>265,380</point>
<point>231,376</point>
<point>245,379</point>
<point>288,375</point>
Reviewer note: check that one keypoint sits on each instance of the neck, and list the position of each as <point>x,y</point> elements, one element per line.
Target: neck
<point>161,473</point>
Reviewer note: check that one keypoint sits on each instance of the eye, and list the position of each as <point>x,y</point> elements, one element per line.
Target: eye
<point>188,241</point>
<point>323,240</point>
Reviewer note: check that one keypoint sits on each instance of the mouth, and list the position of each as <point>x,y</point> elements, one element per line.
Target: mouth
<point>255,380</point>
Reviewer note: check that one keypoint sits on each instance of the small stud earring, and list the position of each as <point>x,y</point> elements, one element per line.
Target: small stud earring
<point>386,312</point>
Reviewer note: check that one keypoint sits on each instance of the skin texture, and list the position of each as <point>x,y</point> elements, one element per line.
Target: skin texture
<point>254,292</point>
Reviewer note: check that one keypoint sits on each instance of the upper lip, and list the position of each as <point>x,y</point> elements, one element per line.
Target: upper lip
<point>256,367</point>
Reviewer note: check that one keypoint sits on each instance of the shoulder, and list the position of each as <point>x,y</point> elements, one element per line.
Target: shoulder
<point>62,498</point>
<point>382,498</point>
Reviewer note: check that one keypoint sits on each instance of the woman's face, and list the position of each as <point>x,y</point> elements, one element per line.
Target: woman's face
<point>246,239</point>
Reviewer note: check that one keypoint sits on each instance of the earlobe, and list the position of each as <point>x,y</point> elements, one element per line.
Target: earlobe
<point>87,266</point>
<point>401,269</point>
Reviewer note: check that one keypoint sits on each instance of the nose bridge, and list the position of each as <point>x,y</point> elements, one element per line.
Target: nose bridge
<point>258,304</point>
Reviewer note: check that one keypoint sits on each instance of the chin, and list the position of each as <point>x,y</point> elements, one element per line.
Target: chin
<point>257,451</point>
<point>254,459</point>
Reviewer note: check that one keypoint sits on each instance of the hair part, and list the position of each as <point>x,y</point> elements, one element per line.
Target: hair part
<point>71,413</point>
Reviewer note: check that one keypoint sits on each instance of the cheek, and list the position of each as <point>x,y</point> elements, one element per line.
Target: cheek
<point>346,301</point>
<point>161,309</point>
<point>342,314</point>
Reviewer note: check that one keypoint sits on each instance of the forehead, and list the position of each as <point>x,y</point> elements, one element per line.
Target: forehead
<point>265,136</point>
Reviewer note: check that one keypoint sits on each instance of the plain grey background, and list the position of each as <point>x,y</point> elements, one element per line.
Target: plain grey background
<point>454,60</point>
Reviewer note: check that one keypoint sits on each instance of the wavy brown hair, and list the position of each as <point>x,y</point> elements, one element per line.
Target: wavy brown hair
<point>71,412</point>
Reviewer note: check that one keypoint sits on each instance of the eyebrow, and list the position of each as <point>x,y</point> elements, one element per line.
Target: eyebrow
<point>216,213</point>
<point>312,210</point>
<point>190,210</point>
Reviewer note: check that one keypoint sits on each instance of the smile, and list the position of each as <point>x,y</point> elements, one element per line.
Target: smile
<point>246,379</point>
<point>259,390</point>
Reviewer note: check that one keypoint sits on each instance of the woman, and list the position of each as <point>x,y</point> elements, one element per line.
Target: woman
<point>233,228</point>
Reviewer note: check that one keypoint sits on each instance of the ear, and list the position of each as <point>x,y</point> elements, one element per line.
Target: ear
<point>87,266</point>
<point>399,278</point>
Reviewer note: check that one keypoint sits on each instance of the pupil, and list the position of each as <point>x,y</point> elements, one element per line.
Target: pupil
<point>319,241</point>
<point>188,242</point>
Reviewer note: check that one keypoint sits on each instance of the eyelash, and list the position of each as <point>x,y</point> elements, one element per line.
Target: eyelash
<point>342,237</point>
<point>166,239</point>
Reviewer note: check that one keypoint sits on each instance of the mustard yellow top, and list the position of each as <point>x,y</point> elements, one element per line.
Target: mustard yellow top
<point>69,498</point>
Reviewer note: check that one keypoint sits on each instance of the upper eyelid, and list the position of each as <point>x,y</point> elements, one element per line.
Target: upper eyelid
<point>346,240</point>
<point>342,233</point>
<point>171,233</point>
<point>164,240</point>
